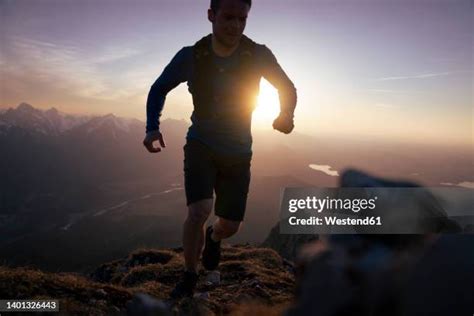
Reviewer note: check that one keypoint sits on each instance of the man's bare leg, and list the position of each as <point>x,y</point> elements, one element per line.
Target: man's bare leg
<point>224,228</point>
<point>200,243</point>
<point>193,232</point>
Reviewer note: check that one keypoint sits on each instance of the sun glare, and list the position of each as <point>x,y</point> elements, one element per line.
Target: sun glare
<point>268,105</point>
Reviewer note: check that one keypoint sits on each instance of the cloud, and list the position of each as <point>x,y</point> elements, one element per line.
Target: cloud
<point>444,59</point>
<point>113,54</point>
<point>420,76</point>
<point>72,69</point>
<point>390,91</point>
<point>384,91</point>
<point>386,106</point>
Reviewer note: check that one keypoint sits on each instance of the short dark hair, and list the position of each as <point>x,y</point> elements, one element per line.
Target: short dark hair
<point>216,3</point>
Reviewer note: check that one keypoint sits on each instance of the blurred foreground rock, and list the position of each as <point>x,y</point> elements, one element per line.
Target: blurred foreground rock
<point>388,274</point>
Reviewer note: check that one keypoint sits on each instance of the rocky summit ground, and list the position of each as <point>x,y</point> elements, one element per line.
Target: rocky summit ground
<point>254,281</point>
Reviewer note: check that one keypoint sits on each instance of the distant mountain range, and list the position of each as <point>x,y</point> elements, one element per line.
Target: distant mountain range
<point>51,154</point>
<point>49,122</point>
<point>85,185</point>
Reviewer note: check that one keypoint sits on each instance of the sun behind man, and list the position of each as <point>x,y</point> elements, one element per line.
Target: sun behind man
<point>223,72</point>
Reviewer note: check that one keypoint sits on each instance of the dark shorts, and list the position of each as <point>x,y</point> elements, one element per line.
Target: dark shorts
<point>206,172</point>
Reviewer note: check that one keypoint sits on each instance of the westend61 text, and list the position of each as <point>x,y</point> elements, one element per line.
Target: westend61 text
<point>314,203</point>
<point>335,221</point>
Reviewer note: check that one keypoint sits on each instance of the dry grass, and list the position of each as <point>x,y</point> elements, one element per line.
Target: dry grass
<point>76,294</point>
<point>254,282</point>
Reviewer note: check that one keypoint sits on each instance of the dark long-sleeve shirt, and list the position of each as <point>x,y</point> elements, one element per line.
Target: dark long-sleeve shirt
<point>224,136</point>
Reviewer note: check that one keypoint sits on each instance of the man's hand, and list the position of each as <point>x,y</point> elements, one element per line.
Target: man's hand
<point>150,138</point>
<point>284,123</point>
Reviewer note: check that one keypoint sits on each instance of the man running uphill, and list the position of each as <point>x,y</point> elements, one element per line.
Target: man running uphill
<point>223,72</point>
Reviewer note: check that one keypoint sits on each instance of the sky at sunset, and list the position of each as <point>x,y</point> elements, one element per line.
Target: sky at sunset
<point>390,69</point>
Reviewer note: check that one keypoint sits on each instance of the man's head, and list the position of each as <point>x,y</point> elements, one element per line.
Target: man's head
<point>228,19</point>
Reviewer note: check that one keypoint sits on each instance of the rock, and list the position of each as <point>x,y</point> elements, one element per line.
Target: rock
<point>261,291</point>
<point>202,295</point>
<point>213,278</point>
<point>249,284</point>
<point>115,309</point>
<point>289,266</point>
<point>469,228</point>
<point>243,297</point>
<point>419,212</point>
<point>386,274</point>
<point>101,293</point>
<point>287,245</point>
<point>145,305</point>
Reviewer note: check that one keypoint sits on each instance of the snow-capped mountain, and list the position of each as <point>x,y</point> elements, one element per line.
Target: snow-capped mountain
<point>54,122</point>
<point>110,125</point>
<point>48,122</point>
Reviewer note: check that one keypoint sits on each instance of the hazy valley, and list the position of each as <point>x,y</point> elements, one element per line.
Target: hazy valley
<point>85,187</point>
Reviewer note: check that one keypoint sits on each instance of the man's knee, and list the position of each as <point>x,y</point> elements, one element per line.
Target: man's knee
<point>229,227</point>
<point>199,212</point>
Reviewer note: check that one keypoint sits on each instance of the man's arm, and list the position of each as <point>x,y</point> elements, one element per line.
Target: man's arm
<point>273,72</point>
<point>173,74</point>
